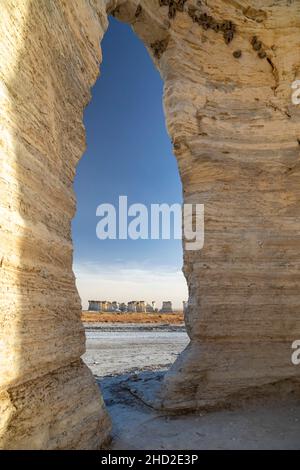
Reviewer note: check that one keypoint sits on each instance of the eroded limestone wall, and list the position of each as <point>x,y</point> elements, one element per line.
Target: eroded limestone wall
<point>235,133</point>
<point>49,59</point>
<point>228,68</point>
<point>236,138</point>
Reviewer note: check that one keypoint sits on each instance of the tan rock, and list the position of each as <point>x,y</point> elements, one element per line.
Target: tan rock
<point>235,133</point>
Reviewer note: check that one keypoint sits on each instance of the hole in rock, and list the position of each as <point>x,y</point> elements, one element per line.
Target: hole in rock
<point>129,153</point>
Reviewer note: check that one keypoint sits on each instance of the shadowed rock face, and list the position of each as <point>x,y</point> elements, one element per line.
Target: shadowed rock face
<point>228,67</point>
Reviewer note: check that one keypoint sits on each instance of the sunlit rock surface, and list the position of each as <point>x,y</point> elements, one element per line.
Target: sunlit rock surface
<point>228,68</point>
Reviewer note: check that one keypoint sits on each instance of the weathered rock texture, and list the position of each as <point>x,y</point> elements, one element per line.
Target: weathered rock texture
<point>49,59</point>
<point>236,138</point>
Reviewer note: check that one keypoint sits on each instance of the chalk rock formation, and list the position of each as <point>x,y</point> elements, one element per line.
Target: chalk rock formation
<point>228,67</point>
<point>49,59</point>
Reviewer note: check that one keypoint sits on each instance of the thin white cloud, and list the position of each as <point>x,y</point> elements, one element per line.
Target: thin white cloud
<point>130,282</point>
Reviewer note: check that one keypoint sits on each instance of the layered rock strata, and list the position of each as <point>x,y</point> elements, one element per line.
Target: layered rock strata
<point>228,67</point>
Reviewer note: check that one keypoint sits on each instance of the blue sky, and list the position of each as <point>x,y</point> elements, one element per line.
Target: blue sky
<point>128,153</point>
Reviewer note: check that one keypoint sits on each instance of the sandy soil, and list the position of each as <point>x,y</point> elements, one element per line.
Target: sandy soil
<point>129,361</point>
<point>170,318</point>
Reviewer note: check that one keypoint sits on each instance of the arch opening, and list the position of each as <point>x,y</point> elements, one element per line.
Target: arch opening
<point>128,155</point>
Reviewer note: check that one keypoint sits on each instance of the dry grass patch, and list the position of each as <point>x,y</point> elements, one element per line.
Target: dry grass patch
<point>94,317</point>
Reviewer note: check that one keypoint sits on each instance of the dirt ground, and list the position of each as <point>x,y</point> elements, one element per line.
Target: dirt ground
<point>170,318</point>
<point>272,426</point>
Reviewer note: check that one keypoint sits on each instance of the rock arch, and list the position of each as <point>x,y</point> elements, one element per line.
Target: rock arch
<point>228,67</point>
